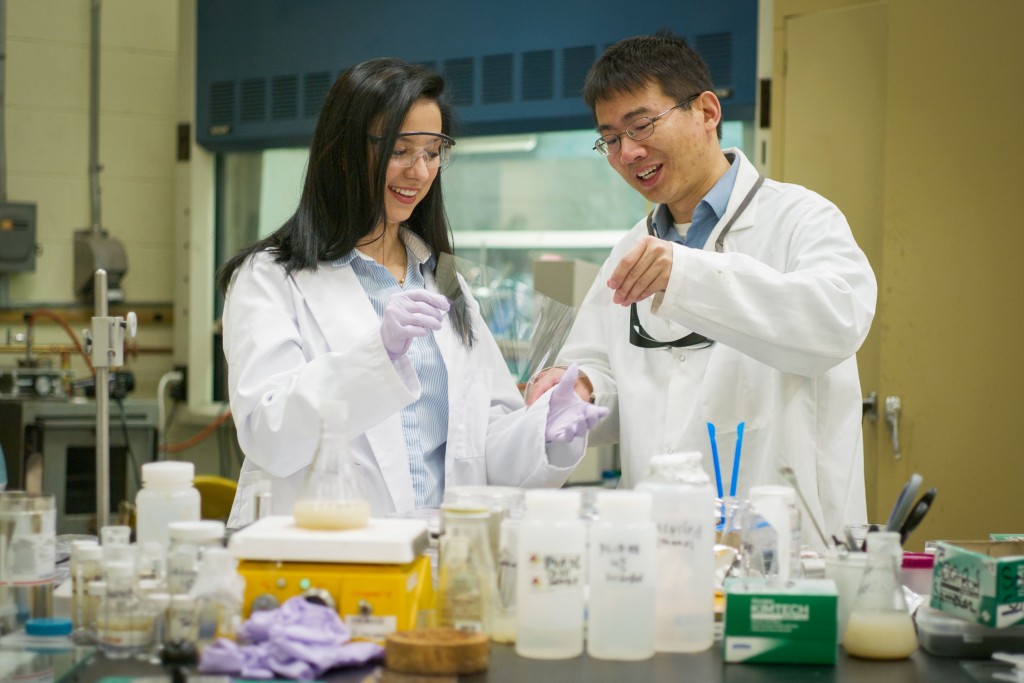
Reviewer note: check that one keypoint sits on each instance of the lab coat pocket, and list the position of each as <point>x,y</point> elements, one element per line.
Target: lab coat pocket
<point>468,414</point>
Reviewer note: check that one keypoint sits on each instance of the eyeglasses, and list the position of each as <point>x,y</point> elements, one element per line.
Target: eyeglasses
<point>436,153</point>
<point>638,336</point>
<point>637,129</point>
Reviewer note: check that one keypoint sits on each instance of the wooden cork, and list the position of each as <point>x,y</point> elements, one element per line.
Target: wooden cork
<point>436,651</point>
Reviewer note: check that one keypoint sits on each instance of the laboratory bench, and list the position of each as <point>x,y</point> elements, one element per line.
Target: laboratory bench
<point>507,667</point>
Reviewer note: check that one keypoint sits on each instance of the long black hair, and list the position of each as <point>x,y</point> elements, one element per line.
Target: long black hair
<point>343,193</point>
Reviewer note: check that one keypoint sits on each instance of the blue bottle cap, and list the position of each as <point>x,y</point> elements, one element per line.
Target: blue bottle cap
<point>48,626</point>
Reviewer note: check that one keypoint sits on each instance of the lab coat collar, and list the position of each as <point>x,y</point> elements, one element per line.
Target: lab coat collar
<point>746,176</point>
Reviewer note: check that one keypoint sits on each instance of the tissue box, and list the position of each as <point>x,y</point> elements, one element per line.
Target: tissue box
<point>982,581</point>
<point>793,624</point>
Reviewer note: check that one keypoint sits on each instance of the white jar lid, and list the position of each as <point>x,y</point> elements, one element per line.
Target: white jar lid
<point>168,472</point>
<point>624,506</point>
<point>552,504</point>
<point>204,530</point>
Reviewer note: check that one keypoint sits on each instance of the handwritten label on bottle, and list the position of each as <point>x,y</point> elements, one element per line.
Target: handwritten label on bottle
<point>554,571</point>
<point>683,534</point>
<point>617,564</point>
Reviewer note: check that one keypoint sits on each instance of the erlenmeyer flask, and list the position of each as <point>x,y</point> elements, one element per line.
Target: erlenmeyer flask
<point>880,625</point>
<point>330,497</point>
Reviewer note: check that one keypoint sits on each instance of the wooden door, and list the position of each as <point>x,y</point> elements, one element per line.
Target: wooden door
<point>905,113</point>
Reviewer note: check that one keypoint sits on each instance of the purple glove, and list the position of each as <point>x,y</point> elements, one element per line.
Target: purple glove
<point>569,416</point>
<point>409,314</point>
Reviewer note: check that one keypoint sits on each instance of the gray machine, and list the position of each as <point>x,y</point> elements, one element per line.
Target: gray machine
<point>52,443</point>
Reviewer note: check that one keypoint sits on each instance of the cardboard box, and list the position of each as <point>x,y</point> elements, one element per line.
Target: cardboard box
<point>794,624</point>
<point>982,581</point>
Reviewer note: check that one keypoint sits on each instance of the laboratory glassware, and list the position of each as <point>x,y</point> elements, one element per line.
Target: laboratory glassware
<point>880,625</point>
<point>466,581</point>
<point>330,498</point>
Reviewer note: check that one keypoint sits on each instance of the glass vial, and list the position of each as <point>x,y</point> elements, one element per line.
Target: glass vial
<point>623,569</point>
<point>166,496</point>
<point>122,628</point>
<point>330,497</point>
<point>684,512</point>
<point>503,619</point>
<point>87,566</point>
<point>880,625</point>
<point>550,576</point>
<point>465,580</point>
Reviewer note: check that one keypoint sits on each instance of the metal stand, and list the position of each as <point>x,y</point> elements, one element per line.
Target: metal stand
<point>106,345</point>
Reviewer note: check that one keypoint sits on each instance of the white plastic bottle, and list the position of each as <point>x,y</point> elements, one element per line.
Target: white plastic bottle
<point>683,509</point>
<point>622,568</point>
<point>550,576</point>
<point>167,496</point>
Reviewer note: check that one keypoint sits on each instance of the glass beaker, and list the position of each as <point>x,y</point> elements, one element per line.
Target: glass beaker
<point>28,557</point>
<point>330,498</point>
<point>880,625</point>
<point>466,581</point>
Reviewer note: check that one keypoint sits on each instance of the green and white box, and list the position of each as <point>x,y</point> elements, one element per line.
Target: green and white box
<point>982,581</point>
<point>793,624</point>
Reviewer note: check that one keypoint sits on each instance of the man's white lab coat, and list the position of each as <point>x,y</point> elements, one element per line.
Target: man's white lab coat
<point>788,304</point>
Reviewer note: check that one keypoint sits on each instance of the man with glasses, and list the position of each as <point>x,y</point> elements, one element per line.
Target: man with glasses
<point>737,300</point>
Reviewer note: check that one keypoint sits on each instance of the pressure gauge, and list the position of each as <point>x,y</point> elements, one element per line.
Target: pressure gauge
<point>43,385</point>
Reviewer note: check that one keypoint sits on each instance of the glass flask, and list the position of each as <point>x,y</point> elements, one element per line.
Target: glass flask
<point>330,498</point>
<point>466,581</point>
<point>880,625</point>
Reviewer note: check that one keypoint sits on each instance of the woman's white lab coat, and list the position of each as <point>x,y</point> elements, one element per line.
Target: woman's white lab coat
<point>788,304</point>
<point>294,342</point>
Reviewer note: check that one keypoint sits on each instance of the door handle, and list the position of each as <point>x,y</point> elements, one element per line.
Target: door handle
<point>870,407</point>
<point>892,418</point>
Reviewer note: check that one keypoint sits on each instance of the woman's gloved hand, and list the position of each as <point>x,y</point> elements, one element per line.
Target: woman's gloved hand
<point>569,416</point>
<point>409,314</point>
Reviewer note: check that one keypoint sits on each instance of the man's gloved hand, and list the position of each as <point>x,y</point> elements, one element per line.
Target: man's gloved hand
<point>569,416</point>
<point>409,314</point>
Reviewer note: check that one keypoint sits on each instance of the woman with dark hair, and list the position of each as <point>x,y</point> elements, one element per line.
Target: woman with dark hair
<point>343,303</point>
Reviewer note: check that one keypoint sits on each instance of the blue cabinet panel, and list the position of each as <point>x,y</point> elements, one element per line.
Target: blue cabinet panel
<point>264,66</point>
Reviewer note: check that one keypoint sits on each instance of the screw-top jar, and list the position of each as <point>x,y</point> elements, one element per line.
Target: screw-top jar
<point>550,576</point>
<point>684,511</point>
<point>623,575</point>
<point>167,495</point>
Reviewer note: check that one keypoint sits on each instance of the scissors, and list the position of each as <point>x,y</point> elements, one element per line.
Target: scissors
<point>917,514</point>
<point>903,508</point>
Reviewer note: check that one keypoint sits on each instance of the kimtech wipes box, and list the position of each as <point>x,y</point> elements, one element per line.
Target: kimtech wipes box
<point>982,581</point>
<point>793,624</point>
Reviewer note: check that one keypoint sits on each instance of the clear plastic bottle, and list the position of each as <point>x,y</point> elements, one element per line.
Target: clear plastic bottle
<point>684,512</point>
<point>189,540</point>
<point>218,593</point>
<point>166,496</point>
<point>770,546</point>
<point>330,498</point>
<point>550,576</point>
<point>623,576</point>
<point>880,625</point>
<point>466,579</point>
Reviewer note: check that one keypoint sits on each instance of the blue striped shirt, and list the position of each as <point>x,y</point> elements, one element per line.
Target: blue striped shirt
<point>425,421</point>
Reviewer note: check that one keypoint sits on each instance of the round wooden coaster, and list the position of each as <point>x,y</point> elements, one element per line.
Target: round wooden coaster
<point>436,651</point>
